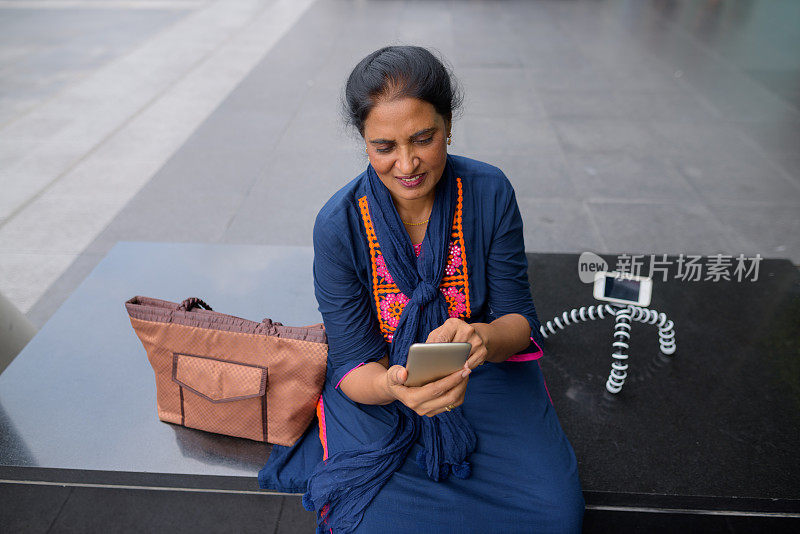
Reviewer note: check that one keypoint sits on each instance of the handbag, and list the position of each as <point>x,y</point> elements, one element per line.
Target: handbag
<point>228,375</point>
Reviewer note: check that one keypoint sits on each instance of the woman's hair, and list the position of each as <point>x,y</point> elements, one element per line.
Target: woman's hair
<point>395,72</point>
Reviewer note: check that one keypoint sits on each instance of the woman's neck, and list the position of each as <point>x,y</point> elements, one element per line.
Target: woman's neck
<point>414,211</point>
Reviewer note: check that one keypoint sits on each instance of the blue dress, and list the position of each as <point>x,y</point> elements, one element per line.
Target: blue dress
<point>524,473</point>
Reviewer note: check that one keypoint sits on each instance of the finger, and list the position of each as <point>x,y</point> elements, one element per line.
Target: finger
<point>453,399</point>
<point>397,375</point>
<point>433,337</point>
<point>442,409</point>
<point>442,334</point>
<point>478,352</point>
<point>437,388</point>
<point>476,359</point>
<point>433,391</point>
<point>464,333</point>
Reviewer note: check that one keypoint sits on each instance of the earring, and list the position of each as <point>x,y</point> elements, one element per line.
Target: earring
<point>449,139</point>
<point>366,149</point>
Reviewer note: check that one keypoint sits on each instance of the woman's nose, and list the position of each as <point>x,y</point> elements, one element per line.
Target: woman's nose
<point>407,162</point>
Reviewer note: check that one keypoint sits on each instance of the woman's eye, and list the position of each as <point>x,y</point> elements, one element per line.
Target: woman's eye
<point>384,150</point>
<point>425,141</point>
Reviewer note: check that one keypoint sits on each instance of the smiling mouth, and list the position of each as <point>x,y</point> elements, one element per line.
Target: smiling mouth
<point>412,181</point>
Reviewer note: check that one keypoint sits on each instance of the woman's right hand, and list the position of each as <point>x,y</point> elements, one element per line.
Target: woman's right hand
<point>432,398</point>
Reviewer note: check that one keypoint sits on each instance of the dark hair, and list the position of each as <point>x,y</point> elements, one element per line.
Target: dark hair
<point>396,72</point>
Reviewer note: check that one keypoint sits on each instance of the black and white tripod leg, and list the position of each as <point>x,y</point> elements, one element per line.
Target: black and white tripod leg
<point>575,315</point>
<point>619,365</point>
<point>666,328</point>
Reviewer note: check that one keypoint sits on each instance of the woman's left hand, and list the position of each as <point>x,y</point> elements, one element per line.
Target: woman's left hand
<point>457,331</point>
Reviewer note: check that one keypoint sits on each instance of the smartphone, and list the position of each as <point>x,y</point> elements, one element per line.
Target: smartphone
<point>623,288</point>
<point>431,361</point>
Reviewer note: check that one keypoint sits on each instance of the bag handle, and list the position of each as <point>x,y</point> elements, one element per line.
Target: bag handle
<point>193,302</point>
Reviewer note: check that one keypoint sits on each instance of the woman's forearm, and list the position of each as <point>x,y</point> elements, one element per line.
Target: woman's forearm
<point>367,384</point>
<point>504,336</point>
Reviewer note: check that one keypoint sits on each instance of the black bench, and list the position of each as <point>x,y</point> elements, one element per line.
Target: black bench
<point>707,438</point>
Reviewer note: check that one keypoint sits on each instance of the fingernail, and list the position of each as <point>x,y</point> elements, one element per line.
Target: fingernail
<point>465,373</point>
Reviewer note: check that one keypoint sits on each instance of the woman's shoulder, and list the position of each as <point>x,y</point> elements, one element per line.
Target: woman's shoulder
<point>343,205</point>
<point>338,224</point>
<point>480,176</point>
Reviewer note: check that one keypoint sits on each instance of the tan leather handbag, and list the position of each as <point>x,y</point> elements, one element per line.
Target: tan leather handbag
<point>228,375</point>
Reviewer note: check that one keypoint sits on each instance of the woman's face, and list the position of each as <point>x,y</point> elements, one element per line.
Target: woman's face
<point>407,146</point>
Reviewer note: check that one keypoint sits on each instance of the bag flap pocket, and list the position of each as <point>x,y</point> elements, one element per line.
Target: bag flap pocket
<point>218,380</point>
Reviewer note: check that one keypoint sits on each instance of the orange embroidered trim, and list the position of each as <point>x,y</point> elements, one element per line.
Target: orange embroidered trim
<point>458,233</point>
<point>323,431</point>
<point>374,251</point>
<point>390,301</point>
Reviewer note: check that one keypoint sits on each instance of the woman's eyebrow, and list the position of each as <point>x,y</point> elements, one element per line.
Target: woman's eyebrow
<point>421,133</point>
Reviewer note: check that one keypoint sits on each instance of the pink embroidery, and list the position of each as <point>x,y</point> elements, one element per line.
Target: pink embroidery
<point>527,356</point>
<point>347,373</point>
<point>453,259</point>
<point>456,302</point>
<point>380,268</point>
<point>545,384</point>
<point>392,305</point>
<point>418,249</point>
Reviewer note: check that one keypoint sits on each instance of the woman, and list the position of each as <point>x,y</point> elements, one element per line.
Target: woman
<point>427,247</point>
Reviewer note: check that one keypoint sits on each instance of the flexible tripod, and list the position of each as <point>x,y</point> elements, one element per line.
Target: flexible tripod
<point>624,315</point>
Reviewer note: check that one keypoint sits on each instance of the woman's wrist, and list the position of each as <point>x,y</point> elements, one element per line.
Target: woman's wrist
<point>505,336</point>
<point>486,333</point>
<point>368,384</point>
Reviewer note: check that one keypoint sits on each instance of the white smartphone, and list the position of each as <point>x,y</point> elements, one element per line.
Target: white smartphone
<point>623,288</point>
<point>431,361</point>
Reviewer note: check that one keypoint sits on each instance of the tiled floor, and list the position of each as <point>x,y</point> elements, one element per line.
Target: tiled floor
<point>56,509</point>
<point>663,127</point>
<point>75,160</point>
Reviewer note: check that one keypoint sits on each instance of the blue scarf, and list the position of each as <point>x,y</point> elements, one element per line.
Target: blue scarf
<point>344,485</point>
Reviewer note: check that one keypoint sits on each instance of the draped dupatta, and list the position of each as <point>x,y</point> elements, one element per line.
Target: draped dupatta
<point>342,487</point>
